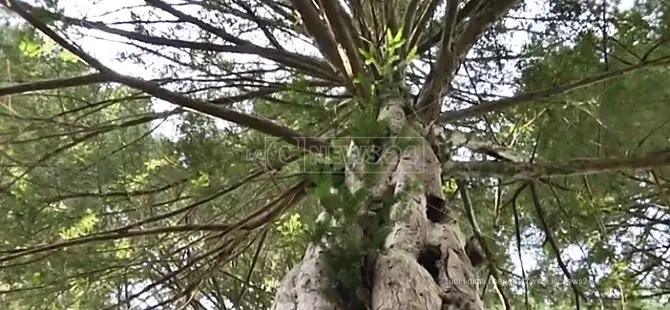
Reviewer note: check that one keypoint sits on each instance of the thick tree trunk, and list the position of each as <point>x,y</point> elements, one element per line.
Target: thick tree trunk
<point>422,264</point>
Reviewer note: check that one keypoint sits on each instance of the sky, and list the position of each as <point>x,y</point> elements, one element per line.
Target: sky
<point>100,46</point>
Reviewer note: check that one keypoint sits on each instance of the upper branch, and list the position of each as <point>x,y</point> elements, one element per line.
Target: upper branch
<point>344,31</point>
<point>490,106</point>
<point>273,54</point>
<point>581,166</point>
<point>254,122</point>
<point>305,64</point>
<point>54,83</point>
<point>458,34</point>
<point>428,103</point>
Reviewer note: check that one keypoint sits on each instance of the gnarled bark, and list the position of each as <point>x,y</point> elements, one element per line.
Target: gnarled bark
<point>422,263</point>
<point>302,287</point>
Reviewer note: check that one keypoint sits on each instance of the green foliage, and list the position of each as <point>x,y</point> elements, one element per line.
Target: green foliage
<point>387,60</point>
<point>350,234</point>
<point>58,155</point>
<point>86,164</point>
<point>623,116</point>
<point>81,161</point>
<point>341,239</point>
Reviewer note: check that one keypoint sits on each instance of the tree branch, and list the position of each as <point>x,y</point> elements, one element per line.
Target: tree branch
<point>554,244</point>
<point>490,106</point>
<point>280,56</point>
<point>258,218</point>
<point>342,28</point>
<point>429,103</point>
<point>486,13</point>
<point>303,63</point>
<point>54,83</point>
<point>454,47</point>
<point>321,34</point>
<point>477,233</point>
<point>261,124</point>
<point>517,171</point>
<point>258,123</point>
<point>476,144</point>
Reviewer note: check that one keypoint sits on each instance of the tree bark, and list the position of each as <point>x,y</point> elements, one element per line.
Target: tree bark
<point>422,263</point>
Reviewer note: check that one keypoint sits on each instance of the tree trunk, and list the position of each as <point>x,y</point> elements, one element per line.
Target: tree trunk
<point>422,263</point>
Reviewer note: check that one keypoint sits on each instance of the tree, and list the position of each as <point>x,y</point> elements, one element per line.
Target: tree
<point>375,116</point>
<point>56,155</point>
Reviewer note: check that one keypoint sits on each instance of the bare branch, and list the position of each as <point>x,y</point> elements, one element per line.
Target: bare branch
<point>303,63</point>
<point>342,26</point>
<point>476,144</point>
<point>261,124</point>
<point>554,244</point>
<point>481,19</point>
<point>477,233</point>
<point>428,104</point>
<point>515,171</point>
<point>254,122</point>
<point>419,28</point>
<point>53,84</point>
<point>453,50</point>
<point>251,222</point>
<point>281,56</point>
<point>490,106</point>
<point>321,34</point>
